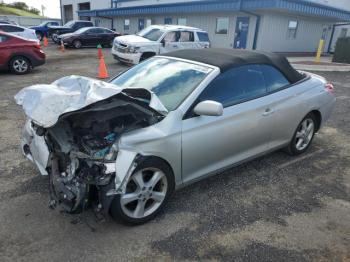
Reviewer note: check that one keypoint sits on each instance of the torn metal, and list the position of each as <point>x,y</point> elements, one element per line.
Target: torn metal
<point>72,134</point>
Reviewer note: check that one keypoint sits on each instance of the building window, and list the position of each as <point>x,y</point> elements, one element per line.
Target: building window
<point>292,29</point>
<point>182,21</point>
<point>126,24</point>
<point>222,25</point>
<point>343,32</point>
<point>168,21</point>
<point>148,22</point>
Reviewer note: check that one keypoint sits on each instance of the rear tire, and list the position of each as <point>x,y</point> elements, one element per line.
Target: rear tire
<point>303,136</point>
<point>20,65</point>
<point>148,191</point>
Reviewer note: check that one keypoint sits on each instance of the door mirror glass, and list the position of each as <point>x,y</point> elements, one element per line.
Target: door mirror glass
<point>209,108</point>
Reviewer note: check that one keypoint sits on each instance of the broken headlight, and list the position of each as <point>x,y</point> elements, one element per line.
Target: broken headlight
<point>112,154</point>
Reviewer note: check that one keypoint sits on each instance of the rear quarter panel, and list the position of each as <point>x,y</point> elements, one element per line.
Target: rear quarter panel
<point>292,104</point>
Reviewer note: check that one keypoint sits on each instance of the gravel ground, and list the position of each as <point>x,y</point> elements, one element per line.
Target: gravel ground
<point>275,208</point>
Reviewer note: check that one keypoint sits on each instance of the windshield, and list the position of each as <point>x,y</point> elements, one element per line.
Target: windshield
<point>171,80</point>
<point>152,34</point>
<point>43,24</point>
<point>69,24</point>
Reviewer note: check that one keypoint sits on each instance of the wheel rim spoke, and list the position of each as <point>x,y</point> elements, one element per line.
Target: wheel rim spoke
<point>128,198</point>
<point>155,179</point>
<point>140,209</point>
<point>158,196</point>
<point>138,179</point>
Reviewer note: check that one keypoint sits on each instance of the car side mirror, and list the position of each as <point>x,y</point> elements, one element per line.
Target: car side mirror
<point>163,43</point>
<point>209,108</point>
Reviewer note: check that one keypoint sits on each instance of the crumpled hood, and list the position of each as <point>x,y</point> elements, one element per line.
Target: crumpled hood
<point>44,104</point>
<point>132,40</point>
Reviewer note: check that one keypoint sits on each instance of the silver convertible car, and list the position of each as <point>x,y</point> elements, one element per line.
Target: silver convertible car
<point>123,147</point>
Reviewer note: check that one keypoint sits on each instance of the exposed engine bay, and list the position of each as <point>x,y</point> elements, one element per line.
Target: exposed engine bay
<point>82,144</point>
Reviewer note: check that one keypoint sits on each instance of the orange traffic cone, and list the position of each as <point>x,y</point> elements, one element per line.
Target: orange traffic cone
<point>102,70</point>
<point>99,52</point>
<point>62,49</point>
<point>46,42</point>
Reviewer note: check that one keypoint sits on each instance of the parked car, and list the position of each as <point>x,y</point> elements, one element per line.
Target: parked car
<point>165,123</point>
<point>89,36</point>
<point>70,27</point>
<point>19,31</point>
<point>8,22</point>
<point>43,29</point>
<point>158,39</point>
<point>18,54</point>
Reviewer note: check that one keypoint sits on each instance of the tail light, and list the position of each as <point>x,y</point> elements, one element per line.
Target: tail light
<point>329,87</point>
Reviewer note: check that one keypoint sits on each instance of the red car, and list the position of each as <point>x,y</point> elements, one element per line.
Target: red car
<point>18,54</point>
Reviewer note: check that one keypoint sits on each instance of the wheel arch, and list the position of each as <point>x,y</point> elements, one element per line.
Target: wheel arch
<point>318,117</point>
<point>157,158</point>
<point>30,59</point>
<point>148,54</point>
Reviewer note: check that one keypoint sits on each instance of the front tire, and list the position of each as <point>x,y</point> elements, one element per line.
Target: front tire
<point>77,44</point>
<point>147,192</point>
<point>20,65</point>
<point>303,136</point>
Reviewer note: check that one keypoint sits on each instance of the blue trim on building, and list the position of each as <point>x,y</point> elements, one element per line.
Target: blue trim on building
<point>294,6</point>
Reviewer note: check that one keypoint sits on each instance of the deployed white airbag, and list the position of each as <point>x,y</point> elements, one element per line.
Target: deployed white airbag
<point>44,104</point>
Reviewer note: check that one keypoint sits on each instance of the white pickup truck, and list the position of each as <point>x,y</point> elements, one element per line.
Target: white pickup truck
<point>158,39</point>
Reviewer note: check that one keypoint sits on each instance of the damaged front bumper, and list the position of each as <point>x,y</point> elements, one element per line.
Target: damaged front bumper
<point>71,188</point>
<point>72,135</point>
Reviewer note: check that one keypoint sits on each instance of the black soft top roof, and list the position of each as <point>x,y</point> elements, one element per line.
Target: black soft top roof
<point>226,59</point>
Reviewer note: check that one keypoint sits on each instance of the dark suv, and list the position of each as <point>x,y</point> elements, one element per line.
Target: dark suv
<point>70,27</point>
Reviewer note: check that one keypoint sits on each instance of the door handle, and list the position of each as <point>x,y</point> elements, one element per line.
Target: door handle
<point>268,112</point>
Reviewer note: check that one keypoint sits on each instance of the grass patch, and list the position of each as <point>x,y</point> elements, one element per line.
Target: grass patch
<point>6,10</point>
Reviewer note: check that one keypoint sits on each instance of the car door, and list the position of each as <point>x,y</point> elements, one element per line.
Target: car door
<point>170,42</point>
<point>4,47</point>
<point>287,104</point>
<point>243,131</point>
<point>89,37</point>
<point>186,40</point>
<point>102,36</point>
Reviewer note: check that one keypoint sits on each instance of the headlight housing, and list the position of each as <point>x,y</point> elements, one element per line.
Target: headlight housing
<point>133,49</point>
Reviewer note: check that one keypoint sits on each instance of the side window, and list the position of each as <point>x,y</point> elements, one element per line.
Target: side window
<point>106,31</point>
<point>12,29</point>
<point>274,79</point>
<point>3,38</point>
<point>203,37</point>
<point>171,37</point>
<point>235,86</point>
<point>186,37</point>
<point>98,31</point>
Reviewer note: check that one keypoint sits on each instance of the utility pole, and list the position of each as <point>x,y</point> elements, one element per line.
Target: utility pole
<point>43,8</point>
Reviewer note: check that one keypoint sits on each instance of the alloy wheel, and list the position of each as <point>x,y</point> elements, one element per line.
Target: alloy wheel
<point>305,134</point>
<point>145,193</point>
<point>20,65</point>
<point>77,44</point>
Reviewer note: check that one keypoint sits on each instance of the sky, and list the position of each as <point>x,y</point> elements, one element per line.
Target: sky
<point>52,6</point>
